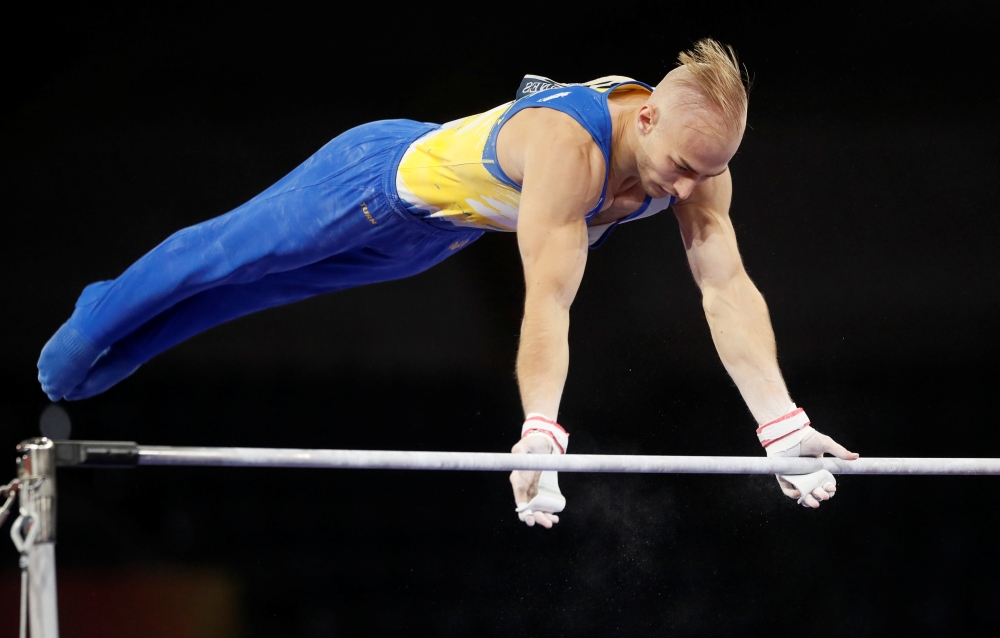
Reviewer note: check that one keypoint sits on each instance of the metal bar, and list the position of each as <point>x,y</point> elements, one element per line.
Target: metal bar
<point>484,461</point>
<point>97,453</point>
<point>43,604</point>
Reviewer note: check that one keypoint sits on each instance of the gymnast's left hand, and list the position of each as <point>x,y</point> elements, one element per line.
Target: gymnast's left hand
<point>810,490</point>
<point>533,494</point>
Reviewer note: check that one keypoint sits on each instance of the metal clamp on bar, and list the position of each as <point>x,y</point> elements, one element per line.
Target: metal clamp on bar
<point>97,454</point>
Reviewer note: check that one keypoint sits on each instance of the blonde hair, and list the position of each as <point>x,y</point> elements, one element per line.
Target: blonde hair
<point>715,74</point>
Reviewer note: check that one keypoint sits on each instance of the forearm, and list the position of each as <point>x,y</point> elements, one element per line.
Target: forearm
<point>743,336</point>
<point>543,354</point>
<point>564,174</point>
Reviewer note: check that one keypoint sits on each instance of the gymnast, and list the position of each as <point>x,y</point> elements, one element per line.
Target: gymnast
<point>561,166</point>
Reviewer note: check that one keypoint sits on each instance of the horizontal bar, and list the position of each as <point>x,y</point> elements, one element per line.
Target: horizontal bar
<point>97,453</point>
<point>485,461</point>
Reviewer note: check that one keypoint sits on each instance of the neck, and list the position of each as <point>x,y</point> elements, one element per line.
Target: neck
<point>624,146</point>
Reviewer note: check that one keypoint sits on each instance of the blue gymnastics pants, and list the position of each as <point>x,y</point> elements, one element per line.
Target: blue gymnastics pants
<point>334,222</point>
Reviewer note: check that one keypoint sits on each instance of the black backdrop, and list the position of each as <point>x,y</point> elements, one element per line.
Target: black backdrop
<point>864,201</point>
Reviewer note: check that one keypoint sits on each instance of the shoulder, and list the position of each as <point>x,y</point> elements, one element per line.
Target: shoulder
<point>542,136</point>
<point>554,127</point>
<point>706,212</point>
<point>712,197</point>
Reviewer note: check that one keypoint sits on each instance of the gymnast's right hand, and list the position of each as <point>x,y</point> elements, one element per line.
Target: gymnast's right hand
<point>537,494</point>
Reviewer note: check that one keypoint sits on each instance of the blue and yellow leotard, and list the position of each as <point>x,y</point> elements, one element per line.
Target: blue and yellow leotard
<point>451,177</point>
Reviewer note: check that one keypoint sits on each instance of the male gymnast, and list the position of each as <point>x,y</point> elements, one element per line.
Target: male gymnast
<point>562,165</point>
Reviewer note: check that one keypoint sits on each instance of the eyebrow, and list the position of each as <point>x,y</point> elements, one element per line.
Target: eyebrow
<point>684,164</point>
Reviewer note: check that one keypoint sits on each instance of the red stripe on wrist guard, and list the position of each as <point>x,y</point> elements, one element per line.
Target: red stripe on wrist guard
<point>782,427</point>
<point>538,424</point>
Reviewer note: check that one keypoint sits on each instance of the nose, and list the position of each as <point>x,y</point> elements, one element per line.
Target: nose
<point>684,187</point>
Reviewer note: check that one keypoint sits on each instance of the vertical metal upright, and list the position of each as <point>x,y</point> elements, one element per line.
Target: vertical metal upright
<point>36,469</point>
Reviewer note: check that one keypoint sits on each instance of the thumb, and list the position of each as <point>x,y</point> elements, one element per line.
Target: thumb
<point>839,451</point>
<point>789,490</point>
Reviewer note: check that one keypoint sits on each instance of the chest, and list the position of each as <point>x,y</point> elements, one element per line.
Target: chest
<point>619,204</point>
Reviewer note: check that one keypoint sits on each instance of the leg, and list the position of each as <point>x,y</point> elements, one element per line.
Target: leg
<point>263,237</point>
<point>315,212</point>
<point>218,305</point>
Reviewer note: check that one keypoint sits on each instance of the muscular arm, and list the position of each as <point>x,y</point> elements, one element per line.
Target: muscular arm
<point>735,309</point>
<point>741,328</point>
<point>561,170</point>
<point>563,173</point>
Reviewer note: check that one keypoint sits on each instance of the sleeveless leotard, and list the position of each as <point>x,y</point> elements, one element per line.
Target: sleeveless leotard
<point>450,177</point>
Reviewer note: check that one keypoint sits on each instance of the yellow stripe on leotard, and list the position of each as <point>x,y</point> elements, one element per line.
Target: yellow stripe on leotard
<point>443,174</point>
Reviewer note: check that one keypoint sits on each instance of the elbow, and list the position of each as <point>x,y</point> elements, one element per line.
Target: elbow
<point>555,294</point>
<point>723,295</point>
<point>715,302</point>
<point>547,301</point>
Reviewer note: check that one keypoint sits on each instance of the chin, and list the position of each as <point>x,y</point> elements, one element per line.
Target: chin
<point>651,188</point>
<point>654,190</point>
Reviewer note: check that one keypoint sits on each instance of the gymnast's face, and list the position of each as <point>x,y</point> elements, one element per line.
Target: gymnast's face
<point>680,146</point>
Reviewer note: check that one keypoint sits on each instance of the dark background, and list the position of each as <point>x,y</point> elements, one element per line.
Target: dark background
<point>865,204</point>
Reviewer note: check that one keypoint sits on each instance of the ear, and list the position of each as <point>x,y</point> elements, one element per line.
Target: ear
<point>646,118</point>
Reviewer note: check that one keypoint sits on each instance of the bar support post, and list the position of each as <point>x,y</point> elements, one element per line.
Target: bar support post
<point>36,469</point>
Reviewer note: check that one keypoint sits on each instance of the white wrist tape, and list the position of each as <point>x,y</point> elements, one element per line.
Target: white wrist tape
<point>549,499</point>
<point>540,424</point>
<point>785,432</point>
<point>782,437</point>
